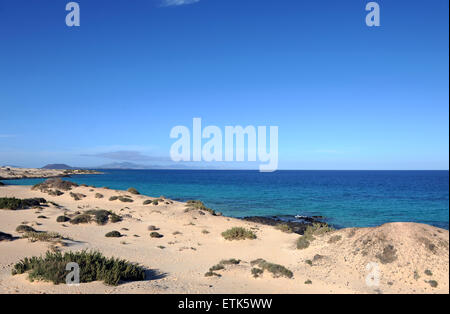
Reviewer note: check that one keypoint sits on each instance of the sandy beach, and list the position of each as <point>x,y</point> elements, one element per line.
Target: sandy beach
<point>409,256</point>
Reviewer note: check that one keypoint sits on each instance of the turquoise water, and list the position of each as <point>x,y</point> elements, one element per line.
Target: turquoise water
<point>345,198</point>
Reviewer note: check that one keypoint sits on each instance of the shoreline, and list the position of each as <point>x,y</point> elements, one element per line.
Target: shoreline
<point>11,173</point>
<point>192,242</point>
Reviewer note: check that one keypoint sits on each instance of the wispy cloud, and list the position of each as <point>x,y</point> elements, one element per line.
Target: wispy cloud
<point>127,155</point>
<point>168,3</point>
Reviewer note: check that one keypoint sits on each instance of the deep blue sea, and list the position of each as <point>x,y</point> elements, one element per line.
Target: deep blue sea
<point>345,198</point>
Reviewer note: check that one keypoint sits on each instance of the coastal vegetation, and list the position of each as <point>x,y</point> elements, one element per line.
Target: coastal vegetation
<point>13,203</point>
<point>156,235</point>
<point>308,236</point>
<point>100,216</point>
<point>284,228</point>
<point>62,219</point>
<point>113,234</point>
<point>275,269</point>
<point>133,191</point>
<point>24,228</point>
<point>96,267</point>
<point>198,205</point>
<point>238,233</point>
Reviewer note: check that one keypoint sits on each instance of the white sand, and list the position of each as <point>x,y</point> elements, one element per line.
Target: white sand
<point>180,267</point>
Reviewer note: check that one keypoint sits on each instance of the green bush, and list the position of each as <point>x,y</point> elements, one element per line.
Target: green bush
<point>62,219</point>
<point>133,191</point>
<point>44,236</point>
<point>217,267</point>
<point>113,234</point>
<point>24,228</point>
<point>147,202</point>
<point>13,203</point>
<point>113,198</point>
<point>302,243</point>
<point>275,269</point>
<point>231,261</point>
<point>238,233</point>
<point>93,265</point>
<point>433,283</point>
<point>125,199</point>
<point>211,274</point>
<point>155,235</point>
<point>308,282</point>
<point>284,228</point>
<point>81,219</point>
<point>77,196</point>
<point>198,205</point>
<point>316,229</point>
<point>98,195</point>
<point>256,272</point>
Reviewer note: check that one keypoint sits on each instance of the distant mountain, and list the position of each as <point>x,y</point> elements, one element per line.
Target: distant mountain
<point>58,167</point>
<point>123,165</point>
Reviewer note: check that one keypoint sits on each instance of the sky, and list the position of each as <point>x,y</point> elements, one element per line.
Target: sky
<point>343,95</point>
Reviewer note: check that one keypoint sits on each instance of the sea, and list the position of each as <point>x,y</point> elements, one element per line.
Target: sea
<point>343,198</point>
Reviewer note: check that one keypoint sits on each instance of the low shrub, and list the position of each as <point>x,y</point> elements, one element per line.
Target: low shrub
<point>98,195</point>
<point>211,274</point>
<point>308,282</point>
<point>147,202</point>
<point>125,199</point>
<point>302,243</point>
<point>24,228</point>
<point>62,219</point>
<point>55,193</point>
<point>81,219</point>
<point>433,283</point>
<point>77,196</point>
<point>198,205</point>
<point>238,233</point>
<point>428,272</point>
<point>113,234</point>
<point>231,261</point>
<point>316,229</point>
<point>152,228</point>
<point>133,191</point>
<point>275,269</point>
<point>156,235</point>
<point>34,236</point>
<point>13,203</point>
<point>94,266</point>
<point>217,267</point>
<point>284,228</point>
<point>113,198</point>
<point>42,217</point>
<point>256,272</point>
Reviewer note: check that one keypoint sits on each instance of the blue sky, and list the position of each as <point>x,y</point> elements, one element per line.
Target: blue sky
<point>345,96</point>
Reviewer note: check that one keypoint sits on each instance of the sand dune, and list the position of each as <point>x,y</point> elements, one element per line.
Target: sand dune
<point>410,257</point>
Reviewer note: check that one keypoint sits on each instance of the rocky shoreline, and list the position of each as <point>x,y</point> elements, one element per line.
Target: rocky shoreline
<point>10,173</point>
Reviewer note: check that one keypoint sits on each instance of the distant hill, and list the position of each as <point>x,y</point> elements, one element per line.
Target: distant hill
<point>58,167</point>
<point>122,165</point>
